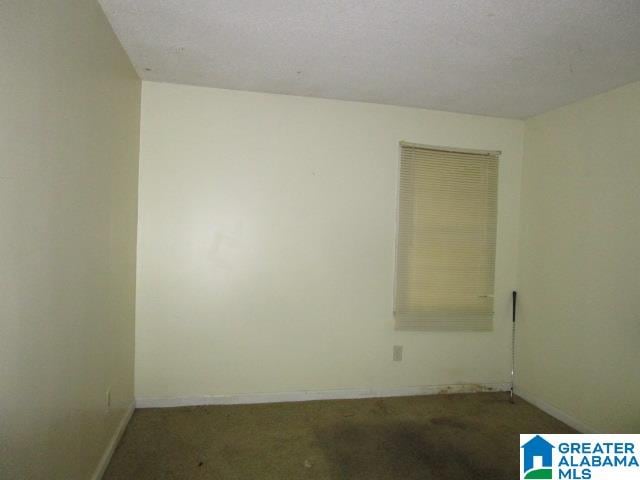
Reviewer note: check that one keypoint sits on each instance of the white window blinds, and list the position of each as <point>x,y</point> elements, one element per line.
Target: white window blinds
<point>446,239</point>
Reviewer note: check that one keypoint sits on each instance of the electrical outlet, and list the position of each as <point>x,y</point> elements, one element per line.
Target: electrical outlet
<point>397,353</point>
<point>108,400</point>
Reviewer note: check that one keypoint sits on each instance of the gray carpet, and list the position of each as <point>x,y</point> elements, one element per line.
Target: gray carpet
<point>466,436</point>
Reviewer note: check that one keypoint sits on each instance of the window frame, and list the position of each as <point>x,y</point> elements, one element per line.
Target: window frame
<point>401,144</point>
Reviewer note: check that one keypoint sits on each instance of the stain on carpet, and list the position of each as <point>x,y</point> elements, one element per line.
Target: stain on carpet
<point>406,450</point>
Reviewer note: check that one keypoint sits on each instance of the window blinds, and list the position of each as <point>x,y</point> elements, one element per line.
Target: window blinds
<point>446,239</point>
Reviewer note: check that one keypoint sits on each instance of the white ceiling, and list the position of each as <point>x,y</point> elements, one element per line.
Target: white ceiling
<point>507,58</point>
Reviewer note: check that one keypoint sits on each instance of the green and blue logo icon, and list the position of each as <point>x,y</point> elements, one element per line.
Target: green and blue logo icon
<point>579,456</point>
<point>537,460</point>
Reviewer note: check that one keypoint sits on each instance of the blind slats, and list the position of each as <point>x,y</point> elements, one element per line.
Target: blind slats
<point>446,239</point>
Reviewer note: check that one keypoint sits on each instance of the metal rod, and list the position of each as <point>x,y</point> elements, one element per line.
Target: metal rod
<point>492,153</point>
<point>514,296</point>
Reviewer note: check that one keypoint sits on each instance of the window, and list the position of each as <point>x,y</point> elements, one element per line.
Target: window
<point>446,239</point>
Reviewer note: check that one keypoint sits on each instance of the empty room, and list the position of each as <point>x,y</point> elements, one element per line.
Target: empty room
<point>325,240</point>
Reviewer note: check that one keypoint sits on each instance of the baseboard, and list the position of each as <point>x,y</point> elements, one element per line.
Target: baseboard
<point>554,412</point>
<point>113,443</point>
<point>302,396</point>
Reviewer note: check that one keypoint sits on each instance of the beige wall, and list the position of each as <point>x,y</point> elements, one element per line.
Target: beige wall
<point>69,127</point>
<point>579,328</point>
<point>266,245</point>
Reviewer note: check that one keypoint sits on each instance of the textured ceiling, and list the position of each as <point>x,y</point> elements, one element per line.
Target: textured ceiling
<point>507,58</point>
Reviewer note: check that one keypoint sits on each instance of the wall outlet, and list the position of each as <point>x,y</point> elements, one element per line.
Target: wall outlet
<point>397,353</point>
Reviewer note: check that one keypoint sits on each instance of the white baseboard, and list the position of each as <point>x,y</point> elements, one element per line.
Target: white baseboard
<point>554,412</point>
<point>302,396</point>
<point>113,443</point>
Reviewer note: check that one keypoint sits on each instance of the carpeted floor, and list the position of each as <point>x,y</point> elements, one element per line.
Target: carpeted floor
<point>466,436</point>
